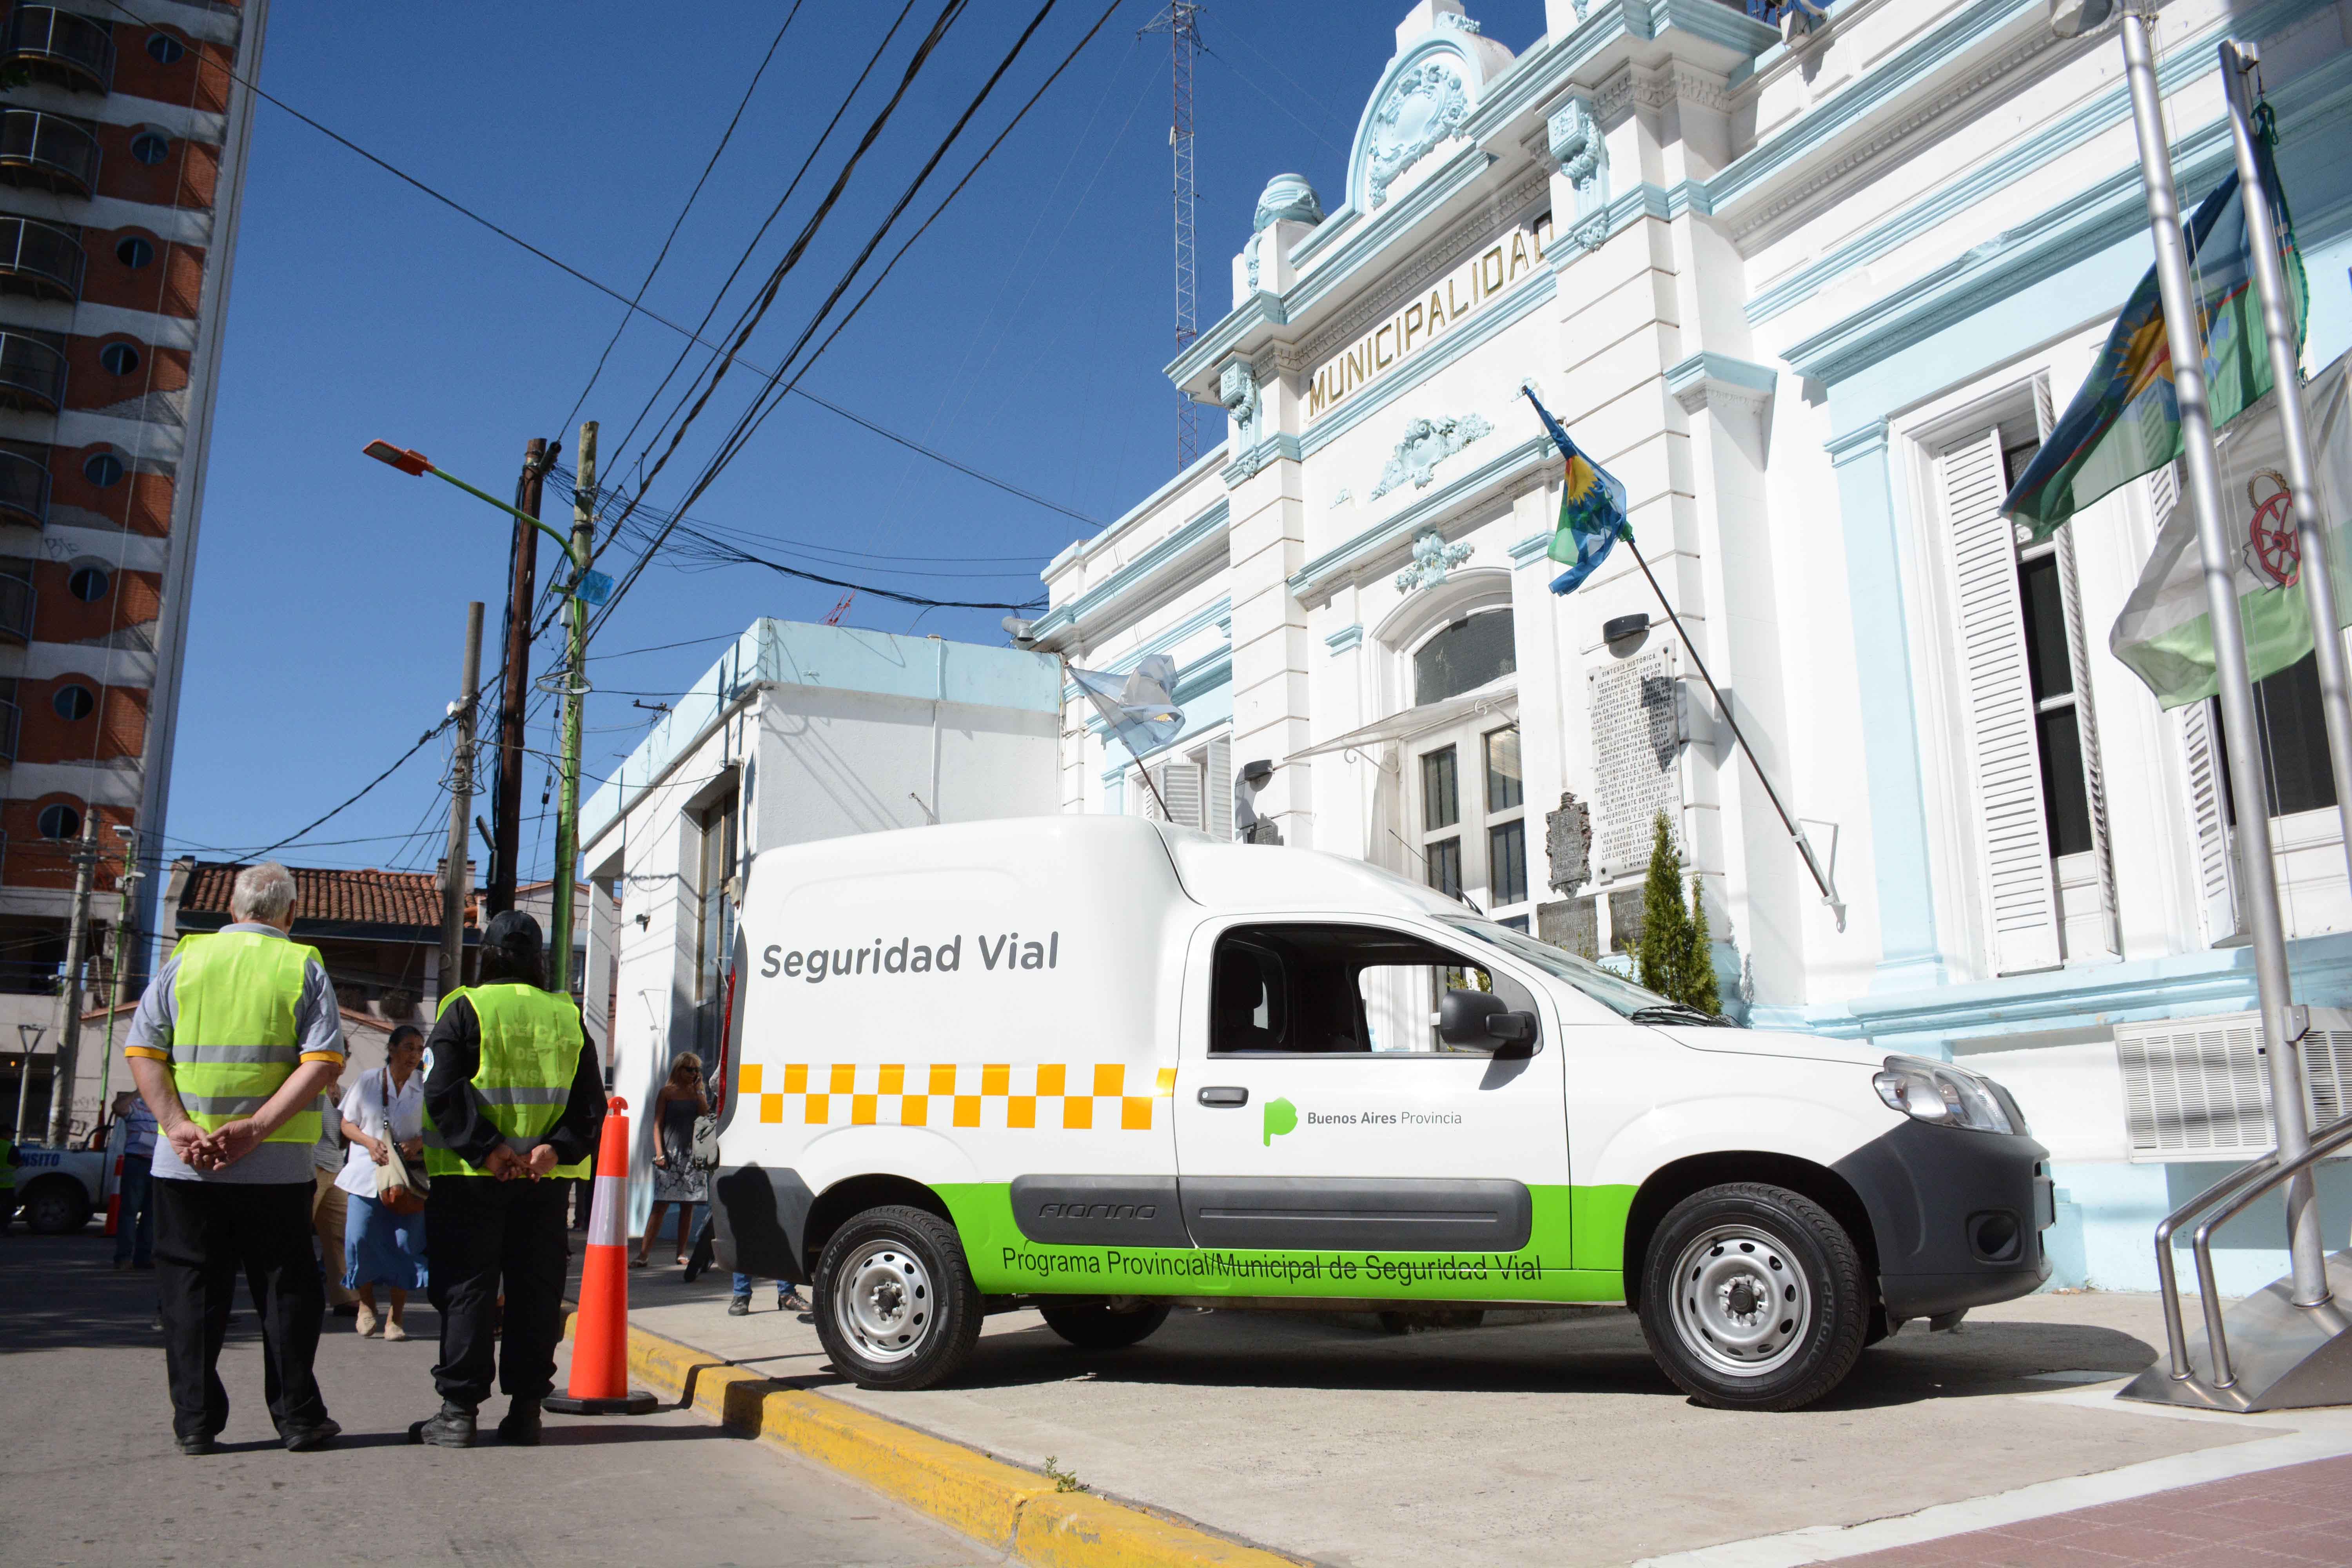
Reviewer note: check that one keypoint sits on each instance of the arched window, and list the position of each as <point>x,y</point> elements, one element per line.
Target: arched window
<point>74,701</point>
<point>119,359</point>
<point>103,469</point>
<point>89,584</point>
<point>149,147</point>
<point>134,252</point>
<point>165,49</point>
<point>1464,656</point>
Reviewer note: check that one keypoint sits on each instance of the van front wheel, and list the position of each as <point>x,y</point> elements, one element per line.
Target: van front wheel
<point>1753,1298</point>
<point>896,1304</point>
<point>1091,1326</point>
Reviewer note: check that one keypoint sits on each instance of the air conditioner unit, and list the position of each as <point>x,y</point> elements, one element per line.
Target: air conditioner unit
<point>2200,1089</point>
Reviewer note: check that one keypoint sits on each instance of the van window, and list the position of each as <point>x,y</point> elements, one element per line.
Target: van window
<point>1334,989</point>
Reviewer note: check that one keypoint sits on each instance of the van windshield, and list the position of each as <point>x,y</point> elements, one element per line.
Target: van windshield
<point>1614,992</point>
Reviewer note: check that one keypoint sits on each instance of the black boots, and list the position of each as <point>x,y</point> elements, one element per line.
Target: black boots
<point>521,1426</point>
<point>452,1428</point>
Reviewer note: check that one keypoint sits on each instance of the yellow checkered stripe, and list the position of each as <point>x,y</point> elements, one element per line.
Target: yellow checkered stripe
<point>1101,1097</point>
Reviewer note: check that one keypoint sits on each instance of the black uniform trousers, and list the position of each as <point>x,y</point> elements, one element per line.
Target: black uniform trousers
<point>206,1233</point>
<point>482,1235</point>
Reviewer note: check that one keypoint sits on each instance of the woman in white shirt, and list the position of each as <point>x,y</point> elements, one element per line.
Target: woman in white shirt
<point>381,1247</point>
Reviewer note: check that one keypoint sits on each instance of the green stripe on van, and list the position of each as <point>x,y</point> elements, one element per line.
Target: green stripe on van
<point>1572,1255</point>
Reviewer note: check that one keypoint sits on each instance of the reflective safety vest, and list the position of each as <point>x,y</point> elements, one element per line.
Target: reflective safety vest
<point>235,1041</point>
<point>531,1042</point>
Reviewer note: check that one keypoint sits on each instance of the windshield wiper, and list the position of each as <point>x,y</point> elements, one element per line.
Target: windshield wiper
<point>1676,1013</point>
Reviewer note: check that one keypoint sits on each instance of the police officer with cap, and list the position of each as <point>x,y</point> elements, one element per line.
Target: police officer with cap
<point>513,1103</point>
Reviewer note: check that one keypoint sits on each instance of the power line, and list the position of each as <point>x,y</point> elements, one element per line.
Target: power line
<point>754,415</point>
<point>663,255</point>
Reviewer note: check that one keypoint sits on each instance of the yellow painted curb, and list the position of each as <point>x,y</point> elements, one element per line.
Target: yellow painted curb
<point>1004,1505</point>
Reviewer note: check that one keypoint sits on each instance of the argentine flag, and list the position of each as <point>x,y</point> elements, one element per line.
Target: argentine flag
<point>1591,510</point>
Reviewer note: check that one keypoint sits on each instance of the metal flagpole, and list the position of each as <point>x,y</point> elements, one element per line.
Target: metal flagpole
<point>2240,735</point>
<point>1805,845</point>
<point>2278,325</point>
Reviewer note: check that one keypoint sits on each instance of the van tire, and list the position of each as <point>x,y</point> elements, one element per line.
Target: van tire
<point>896,1303</point>
<point>57,1207</point>
<point>1727,1241</point>
<point>1091,1326</point>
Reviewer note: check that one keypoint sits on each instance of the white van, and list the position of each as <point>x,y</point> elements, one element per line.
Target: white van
<point>1103,1067</point>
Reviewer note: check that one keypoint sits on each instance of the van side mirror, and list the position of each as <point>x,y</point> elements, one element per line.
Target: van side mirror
<point>1481,1019</point>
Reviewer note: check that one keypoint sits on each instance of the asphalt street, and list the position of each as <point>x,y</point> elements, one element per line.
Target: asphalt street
<point>90,1475</point>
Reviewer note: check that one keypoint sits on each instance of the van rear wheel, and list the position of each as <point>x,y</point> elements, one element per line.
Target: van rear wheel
<point>1094,1326</point>
<point>896,1304</point>
<point>1753,1298</point>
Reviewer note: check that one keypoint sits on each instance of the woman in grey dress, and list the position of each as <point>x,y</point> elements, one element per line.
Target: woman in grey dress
<point>676,1179</point>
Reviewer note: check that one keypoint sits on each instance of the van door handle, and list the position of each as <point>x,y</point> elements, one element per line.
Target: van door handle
<point>1224,1097</point>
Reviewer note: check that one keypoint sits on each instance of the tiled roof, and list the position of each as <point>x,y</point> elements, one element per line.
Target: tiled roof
<point>322,894</point>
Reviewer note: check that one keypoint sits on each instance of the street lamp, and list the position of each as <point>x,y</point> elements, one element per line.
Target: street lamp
<point>585,588</point>
<point>30,1033</point>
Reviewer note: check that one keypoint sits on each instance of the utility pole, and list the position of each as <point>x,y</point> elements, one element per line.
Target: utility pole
<point>575,694</point>
<point>84,857</point>
<point>127,884</point>
<point>506,806</point>
<point>461,808</point>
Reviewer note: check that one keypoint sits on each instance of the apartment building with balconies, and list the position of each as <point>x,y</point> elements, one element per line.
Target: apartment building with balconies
<point>123,133</point>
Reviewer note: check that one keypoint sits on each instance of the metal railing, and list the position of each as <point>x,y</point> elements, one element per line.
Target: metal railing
<point>61,47</point>
<point>39,259</point>
<point>47,150</point>
<point>16,605</point>
<point>2226,1198</point>
<point>32,374</point>
<point>24,488</point>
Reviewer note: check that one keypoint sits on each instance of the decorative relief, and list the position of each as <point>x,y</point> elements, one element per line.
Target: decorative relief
<point>1424,107</point>
<point>1460,24</point>
<point>1237,390</point>
<point>1426,444</point>
<point>1432,558</point>
<point>1574,135</point>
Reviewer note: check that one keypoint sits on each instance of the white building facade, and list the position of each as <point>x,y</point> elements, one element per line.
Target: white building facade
<point>1812,300</point>
<point>797,733</point>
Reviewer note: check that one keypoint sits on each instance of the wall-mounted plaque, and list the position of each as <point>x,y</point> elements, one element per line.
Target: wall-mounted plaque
<point>1636,743</point>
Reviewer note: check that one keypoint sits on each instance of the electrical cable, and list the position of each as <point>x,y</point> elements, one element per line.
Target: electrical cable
<point>663,255</point>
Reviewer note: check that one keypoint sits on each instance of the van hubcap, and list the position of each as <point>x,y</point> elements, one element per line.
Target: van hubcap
<point>1742,1305</point>
<point>882,1301</point>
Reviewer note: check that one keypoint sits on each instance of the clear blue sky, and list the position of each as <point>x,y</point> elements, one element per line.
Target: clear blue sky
<point>1024,335</point>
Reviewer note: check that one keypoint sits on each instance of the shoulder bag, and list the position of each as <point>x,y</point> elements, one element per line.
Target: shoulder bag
<point>398,1186</point>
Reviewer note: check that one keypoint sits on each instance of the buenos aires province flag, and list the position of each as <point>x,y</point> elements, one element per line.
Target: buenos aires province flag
<point>1591,510</point>
<point>2164,633</point>
<point>2126,420</point>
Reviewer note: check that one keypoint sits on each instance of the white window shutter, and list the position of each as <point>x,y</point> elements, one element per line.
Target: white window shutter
<point>1219,823</point>
<point>2078,653</point>
<point>1151,785</point>
<point>1997,700</point>
<point>1179,781</point>
<point>2200,745</point>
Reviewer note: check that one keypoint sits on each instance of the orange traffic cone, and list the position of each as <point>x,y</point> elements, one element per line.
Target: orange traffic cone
<point>600,1341</point>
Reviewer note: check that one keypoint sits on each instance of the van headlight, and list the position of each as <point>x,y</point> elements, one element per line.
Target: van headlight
<point>1934,1091</point>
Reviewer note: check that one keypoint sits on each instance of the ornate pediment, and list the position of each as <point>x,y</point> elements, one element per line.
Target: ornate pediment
<point>1422,108</point>
<point>1426,444</point>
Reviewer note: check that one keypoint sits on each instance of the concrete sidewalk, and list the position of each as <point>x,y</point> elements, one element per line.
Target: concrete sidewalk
<point>1556,1440</point>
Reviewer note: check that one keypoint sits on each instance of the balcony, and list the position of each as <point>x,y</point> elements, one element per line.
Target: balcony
<point>45,262</point>
<point>49,152</point>
<point>32,374</point>
<point>60,48</point>
<point>15,626</point>
<point>24,489</point>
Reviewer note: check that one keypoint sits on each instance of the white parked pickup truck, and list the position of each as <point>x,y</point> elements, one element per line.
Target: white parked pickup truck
<point>58,1189</point>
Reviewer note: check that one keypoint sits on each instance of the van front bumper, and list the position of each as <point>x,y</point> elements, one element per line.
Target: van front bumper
<point>1957,1215</point>
<point>757,1219</point>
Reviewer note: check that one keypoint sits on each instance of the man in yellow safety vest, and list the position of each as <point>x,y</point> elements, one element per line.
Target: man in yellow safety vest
<point>231,1044</point>
<point>514,1103</point>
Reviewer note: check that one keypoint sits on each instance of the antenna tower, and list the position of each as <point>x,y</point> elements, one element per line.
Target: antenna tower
<point>1182,23</point>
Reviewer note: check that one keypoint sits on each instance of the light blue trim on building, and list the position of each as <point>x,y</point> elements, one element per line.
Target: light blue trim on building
<point>1545,69</point>
<point>1281,444</point>
<point>830,658</point>
<point>2183,63</point>
<point>1708,365</point>
<point>1065,617</point>
<point>1532,548</point>
<point>1078,549</point>
<point>1538,288</point>
<point>1501,469</point>
<point>1345,638</point>
<point>1437,41</point>
<point>1908,954</point>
